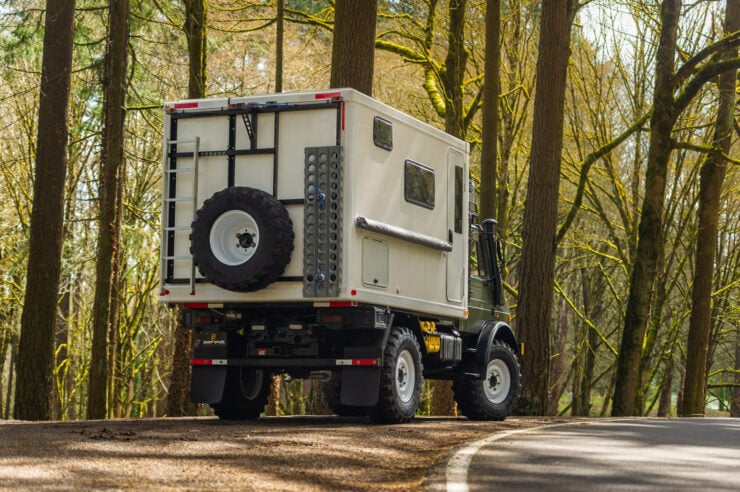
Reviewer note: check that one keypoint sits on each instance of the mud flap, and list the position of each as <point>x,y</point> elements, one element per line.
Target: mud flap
<point>207,384</point>
<point>360,385</point>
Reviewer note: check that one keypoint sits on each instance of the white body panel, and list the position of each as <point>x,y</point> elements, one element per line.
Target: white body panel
<point>376,267</point>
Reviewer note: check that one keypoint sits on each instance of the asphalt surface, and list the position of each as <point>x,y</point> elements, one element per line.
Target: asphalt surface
<point>618,455</point>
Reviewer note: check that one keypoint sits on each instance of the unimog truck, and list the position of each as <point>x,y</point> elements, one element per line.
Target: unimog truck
<point>326,235</point>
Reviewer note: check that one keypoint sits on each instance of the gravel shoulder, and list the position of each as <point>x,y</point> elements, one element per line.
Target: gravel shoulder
<point>282,453</point>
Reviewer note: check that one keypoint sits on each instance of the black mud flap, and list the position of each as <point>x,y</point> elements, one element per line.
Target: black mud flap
<point>360,386</point>
<point>207,384</point>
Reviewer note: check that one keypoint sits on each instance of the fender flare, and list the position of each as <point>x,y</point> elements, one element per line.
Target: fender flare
<point>490,331</point>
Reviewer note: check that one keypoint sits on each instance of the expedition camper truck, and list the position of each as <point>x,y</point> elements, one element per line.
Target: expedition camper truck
<point>326,235</point>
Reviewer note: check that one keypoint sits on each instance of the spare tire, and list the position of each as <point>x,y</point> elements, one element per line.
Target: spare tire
<point>242,239</point>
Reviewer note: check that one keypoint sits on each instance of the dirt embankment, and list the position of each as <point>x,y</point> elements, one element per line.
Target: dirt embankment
<point>285,453</point>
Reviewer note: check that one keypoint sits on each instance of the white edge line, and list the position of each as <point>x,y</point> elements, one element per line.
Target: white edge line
<point>456,473</point>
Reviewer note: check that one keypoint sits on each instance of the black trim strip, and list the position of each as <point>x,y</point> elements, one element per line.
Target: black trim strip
<point>277,108</point>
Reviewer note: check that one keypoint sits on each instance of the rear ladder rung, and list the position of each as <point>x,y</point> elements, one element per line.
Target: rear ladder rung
<point>180,257</point>
<point>179,228</point>
<point>177,142</point>
<point>181,170</point>
<point>179,199</point>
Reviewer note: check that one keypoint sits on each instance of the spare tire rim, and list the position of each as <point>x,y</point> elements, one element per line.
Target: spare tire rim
<point>234,237</point>
<point>498,381</point>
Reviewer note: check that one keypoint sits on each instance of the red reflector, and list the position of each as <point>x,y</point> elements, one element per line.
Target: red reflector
<point>164,292</point>
<point>364,362</point>
<point>187,105</point>
<point>261,352</point>
<point>327,95</point>
<point>196,305</point>
<point>343,304</point>
<point>201,362</point>
<point>353,292</point>
<point>342,116</point>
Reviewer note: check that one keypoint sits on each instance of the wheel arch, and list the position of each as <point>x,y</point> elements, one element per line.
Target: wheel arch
<point>490,332</point>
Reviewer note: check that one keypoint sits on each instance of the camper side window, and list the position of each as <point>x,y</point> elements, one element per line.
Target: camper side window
<point>418,186</point>
<point>383,133</point>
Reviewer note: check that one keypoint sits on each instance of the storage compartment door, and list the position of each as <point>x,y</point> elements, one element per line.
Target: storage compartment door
<point>456,221</point>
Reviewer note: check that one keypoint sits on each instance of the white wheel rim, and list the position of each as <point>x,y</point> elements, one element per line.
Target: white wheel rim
<point>405,376</point>
<point>234,237</point>
<point>498,381</point>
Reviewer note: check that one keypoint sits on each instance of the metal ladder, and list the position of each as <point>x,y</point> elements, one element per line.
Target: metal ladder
<point>166,173</point>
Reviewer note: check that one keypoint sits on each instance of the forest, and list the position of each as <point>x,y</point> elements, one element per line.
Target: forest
<point>604,140</point>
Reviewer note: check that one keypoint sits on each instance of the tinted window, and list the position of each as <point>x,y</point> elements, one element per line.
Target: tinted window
<point>383,133</point>
<point>418,187</point>
<point>458,199</point>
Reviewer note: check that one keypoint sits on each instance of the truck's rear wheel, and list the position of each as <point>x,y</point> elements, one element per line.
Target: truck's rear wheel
<point>400,379</point>
<point>494,397</point>
<point>242,239</point>
<point>245,394</point>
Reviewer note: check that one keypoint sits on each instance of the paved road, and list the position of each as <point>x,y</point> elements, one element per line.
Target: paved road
<point>641,454</point>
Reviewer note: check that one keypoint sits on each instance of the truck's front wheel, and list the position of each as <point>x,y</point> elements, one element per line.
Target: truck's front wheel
<point>400,379</point>
<point>245,394</point>
<point>493,397</point>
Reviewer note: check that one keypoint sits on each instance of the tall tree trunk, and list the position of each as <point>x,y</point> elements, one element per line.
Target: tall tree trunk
<point>279,45</point>
<point>195,32</point>
<point>353,48</point>
<point>112,162</point>
<point>540,217</point>
<point>455,70</point>
<point>666,392</point>
<point>650,232</point>
<point>710,192</point>
<point>488,158</point>
<point>36,350</point>
<point>735,408</point>
<point>558,362</point>
<point>178,395</point>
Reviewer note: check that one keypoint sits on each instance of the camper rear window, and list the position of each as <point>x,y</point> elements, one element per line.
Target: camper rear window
<point>418,187</point>
<point>383,133</point>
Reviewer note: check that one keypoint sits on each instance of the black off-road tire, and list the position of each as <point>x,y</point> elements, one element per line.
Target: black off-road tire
<point>492,398</point>
<point>332,392</point>
<point>400,379</point>
<point>245,394</point>
<point>272,250</point>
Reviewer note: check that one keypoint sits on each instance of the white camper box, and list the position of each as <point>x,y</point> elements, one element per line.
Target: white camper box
<point>395,235</point>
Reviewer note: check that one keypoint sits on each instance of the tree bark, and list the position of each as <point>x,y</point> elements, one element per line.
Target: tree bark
<point>650,231</point>
<point>279,32</point>
<point>710,193</point>
<point>489,158</point>
<point>353,49</point>
<point>540,216</point>
<point>112,162</point>
<point>195,32</point>
<point>455,70</point>
<point>36,350</point>
<point>735,408</point>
